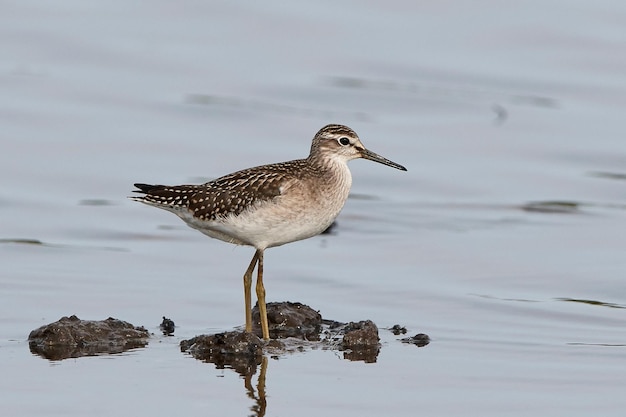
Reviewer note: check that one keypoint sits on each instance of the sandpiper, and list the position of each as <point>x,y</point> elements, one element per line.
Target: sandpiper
<point>269,205</point>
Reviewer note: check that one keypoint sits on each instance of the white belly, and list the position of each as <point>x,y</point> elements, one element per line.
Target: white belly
<point>298,214</point>
<point>270,224</point>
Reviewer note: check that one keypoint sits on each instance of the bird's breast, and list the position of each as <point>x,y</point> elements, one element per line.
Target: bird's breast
<point>305,208</point>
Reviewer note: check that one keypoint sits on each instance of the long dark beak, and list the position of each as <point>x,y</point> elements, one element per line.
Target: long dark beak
<point>367,154</point>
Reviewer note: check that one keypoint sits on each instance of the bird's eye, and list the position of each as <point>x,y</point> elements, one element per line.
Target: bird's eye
<point>344,141</point>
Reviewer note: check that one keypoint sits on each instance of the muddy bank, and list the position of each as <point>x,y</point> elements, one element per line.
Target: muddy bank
<point>293,327</point>
<point>71,337</point>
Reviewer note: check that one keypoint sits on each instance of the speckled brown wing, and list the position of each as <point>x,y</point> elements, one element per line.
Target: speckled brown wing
<point>235,192</point>
<point>227,195</point>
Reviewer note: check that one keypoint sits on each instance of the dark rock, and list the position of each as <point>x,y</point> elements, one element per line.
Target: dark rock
<point>419,340</point>
<point>286,319</point>
<point>360,341</point>
<point>239,350</point>
<point>396,329</point>
<point>299,328</point>
<point>361,334</point>
<point>167,326</point>
<point>71,337</point>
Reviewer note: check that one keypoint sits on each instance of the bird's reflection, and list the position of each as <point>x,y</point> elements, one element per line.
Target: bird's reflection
<point>258,396</point>
<point>248,370</point>
<point>242,352</point>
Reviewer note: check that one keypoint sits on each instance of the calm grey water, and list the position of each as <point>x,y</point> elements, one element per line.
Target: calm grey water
<point>492,107</point>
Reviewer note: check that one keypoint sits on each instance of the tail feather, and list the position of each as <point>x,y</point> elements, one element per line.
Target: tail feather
<point>164,196</point>
<point>146,188</point>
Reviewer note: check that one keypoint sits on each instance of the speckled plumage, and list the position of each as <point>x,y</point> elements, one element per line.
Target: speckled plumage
<point>270,205</point>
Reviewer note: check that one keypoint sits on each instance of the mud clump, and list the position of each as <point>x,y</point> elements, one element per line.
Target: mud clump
<point>287,319</point>
<point>293,327</point>
<point>167,326</point>
<point>363,334</point>
<point>360,341</point>
<point>71,337</point>
<point>396,329</point>
<point>241,351</point>
<point>419,340</point>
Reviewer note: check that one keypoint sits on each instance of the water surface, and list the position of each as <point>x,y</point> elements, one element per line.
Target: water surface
<point>494,109</point>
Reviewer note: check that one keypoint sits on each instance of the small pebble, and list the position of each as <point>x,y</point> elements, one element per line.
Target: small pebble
<point>167,326</point>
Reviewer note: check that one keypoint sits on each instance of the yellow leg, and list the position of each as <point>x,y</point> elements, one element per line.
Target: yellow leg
<point>259,396</point>
<point>247,287</point>
<point>260,294</point>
